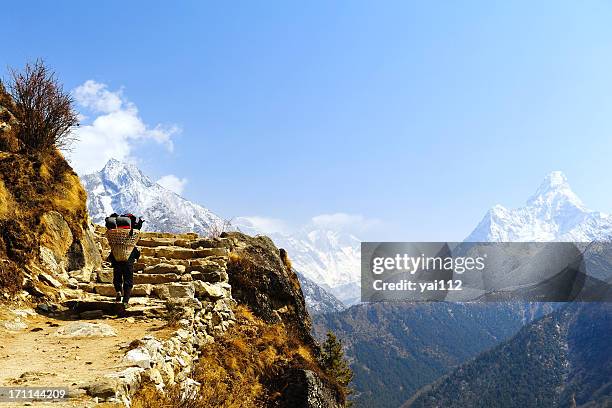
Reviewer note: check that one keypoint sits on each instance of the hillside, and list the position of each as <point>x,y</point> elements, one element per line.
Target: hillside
<point>561,360</point>
<point>396,348</point>
<point>43,217</point>
<point>213,322</point>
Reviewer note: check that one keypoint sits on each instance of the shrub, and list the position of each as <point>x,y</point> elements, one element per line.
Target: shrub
<point>42,107</point>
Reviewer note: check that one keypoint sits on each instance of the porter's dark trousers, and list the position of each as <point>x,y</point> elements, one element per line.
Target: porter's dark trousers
<point>123,277</point>
<point>123,273</point>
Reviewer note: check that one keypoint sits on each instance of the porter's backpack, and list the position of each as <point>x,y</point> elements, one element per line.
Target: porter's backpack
<point>121,235</point>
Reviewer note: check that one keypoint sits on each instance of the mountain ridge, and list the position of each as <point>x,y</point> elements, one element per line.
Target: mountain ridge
<point>122,187</point>
<point>553,213</point>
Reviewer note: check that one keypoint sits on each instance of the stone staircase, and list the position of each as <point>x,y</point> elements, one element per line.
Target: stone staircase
<point>171,266</point>
<point>179,277</point>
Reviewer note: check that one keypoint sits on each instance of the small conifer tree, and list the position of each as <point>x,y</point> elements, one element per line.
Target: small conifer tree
<point>334,363</point>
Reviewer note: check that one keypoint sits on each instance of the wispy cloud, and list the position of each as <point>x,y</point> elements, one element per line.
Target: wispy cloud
<point>350,223</point>
<point>263,224</point>
<point>173,183</point>
<point>114,130</point>
<point>344,221</point>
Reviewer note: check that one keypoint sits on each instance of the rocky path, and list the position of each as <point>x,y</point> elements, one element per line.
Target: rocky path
<point>182,300</point>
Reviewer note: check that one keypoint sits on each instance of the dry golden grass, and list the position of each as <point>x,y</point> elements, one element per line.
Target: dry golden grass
<point>242,369</point>
<point>29,188</point>
<point>6,201</point>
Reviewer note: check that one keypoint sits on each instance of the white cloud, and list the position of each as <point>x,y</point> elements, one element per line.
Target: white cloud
<point>173,183</point>
<point>95,96</point>
<point>115,130</point>
<point>264,224</point>
<point>344,221</point>
<point>349,223</point>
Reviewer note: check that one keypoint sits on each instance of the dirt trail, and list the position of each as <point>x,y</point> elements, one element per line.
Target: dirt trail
<point>35,356</point>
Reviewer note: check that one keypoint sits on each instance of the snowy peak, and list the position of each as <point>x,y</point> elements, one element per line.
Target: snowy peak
<point>122,174</point>
<point>553,213</point>
<point>555,192</point>
<point>326,256</point>
<point>122,187</point>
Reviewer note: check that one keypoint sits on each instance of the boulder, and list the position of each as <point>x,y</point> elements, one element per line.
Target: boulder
<point>48,259</point>
<point>105,290</point>
<point>85,329</point>
<point>81,275</point>
<point>262,282</point>
<point>146,251</point>
<point>102,388</point>
<point>155,376</point>
<point>167,373</point>
<point>208,290</point>
<point>305,389</point>
<point>15,326</point>
<point>139,357</point>
<point>84,252</point>
<point>56,235</point>
<point>49,280</point>
<point>142,290</point>
<point>128,380</point>
<point>105,275</point>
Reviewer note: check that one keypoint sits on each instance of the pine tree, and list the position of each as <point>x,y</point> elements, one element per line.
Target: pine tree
<point>334,363</point>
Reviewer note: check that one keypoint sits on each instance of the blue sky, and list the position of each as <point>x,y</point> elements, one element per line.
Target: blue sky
<point>419,115</point>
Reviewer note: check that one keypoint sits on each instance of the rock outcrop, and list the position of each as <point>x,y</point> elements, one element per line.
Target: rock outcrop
<point>261,281</point>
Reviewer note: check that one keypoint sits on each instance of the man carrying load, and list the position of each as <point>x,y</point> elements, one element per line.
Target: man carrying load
<point>122,233</point>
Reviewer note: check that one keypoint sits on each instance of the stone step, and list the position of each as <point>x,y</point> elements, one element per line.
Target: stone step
<point>165,268</point>
<point>174,290</point>
<point>145,261</point>
<point>213,276</point>
<point>155,242</point>
<point>136,307</point>
<point>109,290</point>
<point>173,252</point>
<point>160,278</point>
<point>187,235</point>
<point>210,272</point>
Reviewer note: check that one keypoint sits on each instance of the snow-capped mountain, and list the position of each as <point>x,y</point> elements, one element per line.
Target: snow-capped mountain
<point>322,256</point>
<point>122,187</point>
<point>331,258</point>
<point>318,300</point>
<point>553,213</point>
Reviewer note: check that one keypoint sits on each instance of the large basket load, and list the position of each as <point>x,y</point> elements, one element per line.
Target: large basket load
<point>122,232</point>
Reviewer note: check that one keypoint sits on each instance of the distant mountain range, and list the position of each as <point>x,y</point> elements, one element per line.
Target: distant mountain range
<point>319,255</point>
<point>329,257</point>
<point>560,360</point>
<point>398,349</point>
